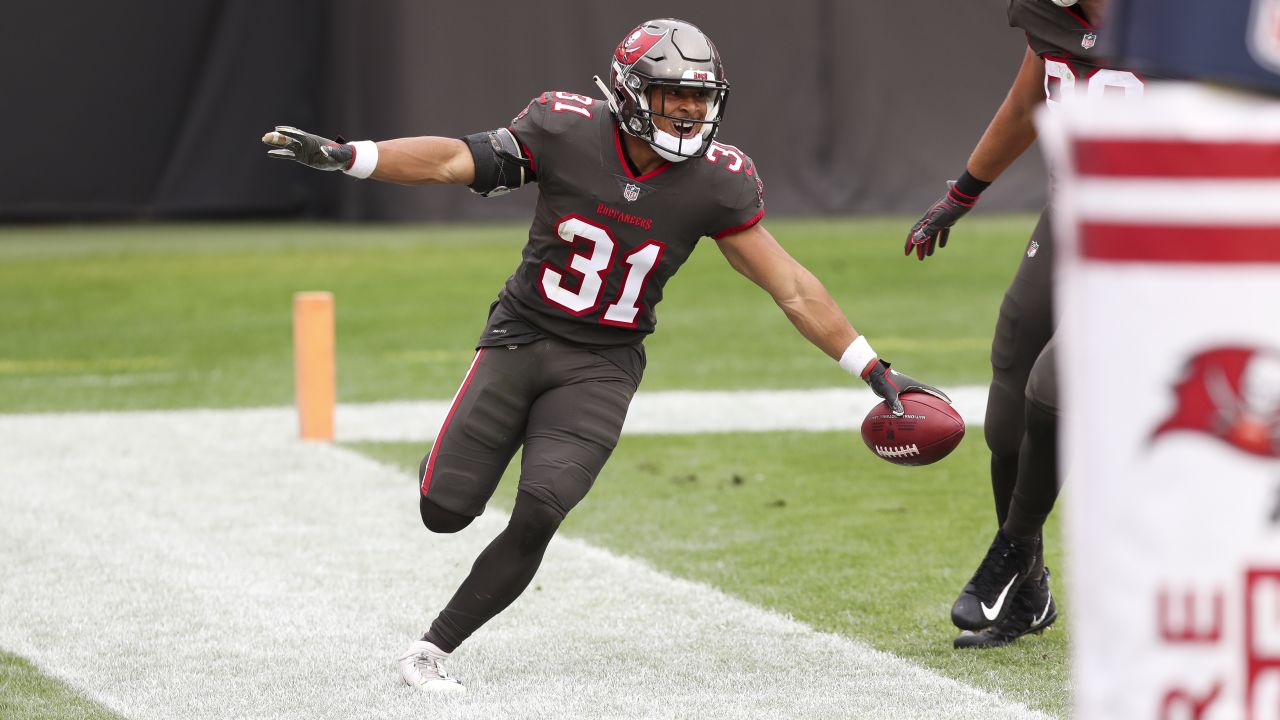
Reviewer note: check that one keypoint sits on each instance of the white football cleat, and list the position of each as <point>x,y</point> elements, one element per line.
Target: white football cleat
<point>422,667</point>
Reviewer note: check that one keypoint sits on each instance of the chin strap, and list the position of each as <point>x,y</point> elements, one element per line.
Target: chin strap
<point>1064,3</point>
<point>608,94</point>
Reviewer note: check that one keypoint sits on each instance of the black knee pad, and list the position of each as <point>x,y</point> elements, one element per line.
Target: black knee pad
<point>440,520</point>
<point>1006,416</point>
<point>533,522</point>
<point>1042,423</point>
<point>1042,386</point>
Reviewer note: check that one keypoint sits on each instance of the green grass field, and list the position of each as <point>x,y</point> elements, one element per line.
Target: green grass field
<point>26,693</point>
<point>166,316</point>
<point>808,524</point>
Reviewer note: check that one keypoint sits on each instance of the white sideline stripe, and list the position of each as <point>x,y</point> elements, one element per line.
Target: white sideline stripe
<point>1146,200</point>
<point>1183,101</point>
<point>669,412</point>
<point>204,564</point>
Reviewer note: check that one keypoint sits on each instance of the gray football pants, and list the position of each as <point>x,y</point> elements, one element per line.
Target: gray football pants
<point>1022,406</point>
<point>566,405</point>
<point>562,402</point>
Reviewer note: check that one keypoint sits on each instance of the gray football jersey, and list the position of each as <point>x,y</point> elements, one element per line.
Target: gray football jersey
<point>1069,44</point>
<point>604,242</point>
<point>1058,32</point>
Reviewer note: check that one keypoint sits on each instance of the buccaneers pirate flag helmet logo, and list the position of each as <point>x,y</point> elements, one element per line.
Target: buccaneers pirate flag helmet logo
<point>1232,394</point>
<point>640,41</point>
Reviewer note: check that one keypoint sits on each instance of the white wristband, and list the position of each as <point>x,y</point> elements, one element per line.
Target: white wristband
<point>366,159</point>
<point>857,356</point>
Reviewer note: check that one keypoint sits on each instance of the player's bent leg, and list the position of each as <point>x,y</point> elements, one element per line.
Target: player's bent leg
<point>499,575</point>
<point>572,428</point>
<point>482,431</point>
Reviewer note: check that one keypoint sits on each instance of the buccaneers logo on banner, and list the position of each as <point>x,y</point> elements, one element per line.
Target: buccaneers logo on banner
<point>1232,394</point>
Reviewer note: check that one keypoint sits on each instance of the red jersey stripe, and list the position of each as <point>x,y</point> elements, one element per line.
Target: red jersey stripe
<point>1132,242</point>
<point>726,233</point>
<point>1177,158</point>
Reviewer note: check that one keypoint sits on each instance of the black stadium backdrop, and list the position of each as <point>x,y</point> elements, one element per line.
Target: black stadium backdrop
<point>153,108</point>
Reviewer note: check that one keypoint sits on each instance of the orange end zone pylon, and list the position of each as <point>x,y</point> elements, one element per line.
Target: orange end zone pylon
<point>314,383</point>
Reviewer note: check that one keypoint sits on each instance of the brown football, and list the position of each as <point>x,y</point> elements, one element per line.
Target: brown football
<point>928,430</point>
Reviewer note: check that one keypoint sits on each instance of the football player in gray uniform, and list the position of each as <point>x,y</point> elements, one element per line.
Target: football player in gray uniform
<point>1008,595</point>
<point>627,187</point>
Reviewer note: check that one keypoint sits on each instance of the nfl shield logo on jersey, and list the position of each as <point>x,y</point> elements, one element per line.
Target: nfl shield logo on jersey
<point>631,192</point>
<point>1089,40</point>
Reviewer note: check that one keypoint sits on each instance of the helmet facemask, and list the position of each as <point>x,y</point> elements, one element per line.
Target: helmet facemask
<point>659,57</point>
<point>694,135</point>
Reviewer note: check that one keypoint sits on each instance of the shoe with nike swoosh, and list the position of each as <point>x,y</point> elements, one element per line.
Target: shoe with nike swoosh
<point>1033,611</point>
<point>990,592</point>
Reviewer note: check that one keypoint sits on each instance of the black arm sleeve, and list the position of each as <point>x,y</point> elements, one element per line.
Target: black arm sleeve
<point>500,164</point>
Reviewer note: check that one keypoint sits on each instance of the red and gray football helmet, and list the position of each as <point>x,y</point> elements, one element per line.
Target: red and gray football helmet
<point>662,53</point>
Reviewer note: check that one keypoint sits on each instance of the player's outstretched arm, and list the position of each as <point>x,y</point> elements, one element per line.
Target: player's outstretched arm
<point>758,256</point>
<point>1010,133</point>
<point>407,161</point>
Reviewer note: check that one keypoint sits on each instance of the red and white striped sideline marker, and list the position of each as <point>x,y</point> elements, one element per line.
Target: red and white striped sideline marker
<point>1167,219</point>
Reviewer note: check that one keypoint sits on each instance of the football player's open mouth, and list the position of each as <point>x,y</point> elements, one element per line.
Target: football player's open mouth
<point>684,128</point>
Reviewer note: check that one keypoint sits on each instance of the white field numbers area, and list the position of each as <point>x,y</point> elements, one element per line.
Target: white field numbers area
<point>205,564</point>
<point>1168,219</point>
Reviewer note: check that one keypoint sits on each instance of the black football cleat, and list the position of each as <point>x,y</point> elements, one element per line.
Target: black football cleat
<point>1032,611</point>
<point>990,592</point>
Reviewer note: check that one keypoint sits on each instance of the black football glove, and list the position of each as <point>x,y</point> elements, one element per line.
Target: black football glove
<point>310,150</point>
<point>889,384</point>
<point>932,229</point>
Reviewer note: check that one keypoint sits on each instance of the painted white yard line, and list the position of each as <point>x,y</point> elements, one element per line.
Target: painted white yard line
<point>670,412</point>
<point>205,564</point>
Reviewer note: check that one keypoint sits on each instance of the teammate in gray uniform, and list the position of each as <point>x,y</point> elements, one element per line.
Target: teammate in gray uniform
<point>1008,595</point>
<point>627,186</point>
